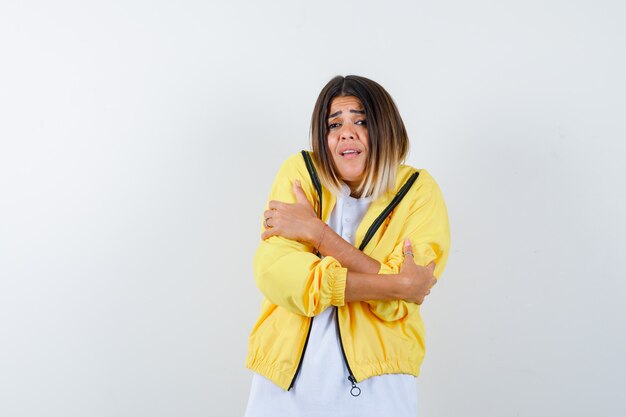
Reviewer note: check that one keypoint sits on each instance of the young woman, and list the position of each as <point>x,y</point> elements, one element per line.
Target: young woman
<point>345,267</point>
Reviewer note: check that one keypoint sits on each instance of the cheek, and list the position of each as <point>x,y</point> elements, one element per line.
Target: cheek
<point>332,147</point>
<point>331,143</point>
<point>365,140</point>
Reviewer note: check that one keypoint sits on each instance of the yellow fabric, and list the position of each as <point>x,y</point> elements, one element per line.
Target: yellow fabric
<point>379,337</point>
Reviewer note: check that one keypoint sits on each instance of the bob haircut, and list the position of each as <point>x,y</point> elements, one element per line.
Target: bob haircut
<point>388,140</point>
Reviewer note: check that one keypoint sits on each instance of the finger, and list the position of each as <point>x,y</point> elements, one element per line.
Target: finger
<point>275,205</point>
<point>300,195</point>
<point>433,281</point>
<point>407,249</point>
<point>431,267</point>
<point>267,214</point>
<point>268,233</point>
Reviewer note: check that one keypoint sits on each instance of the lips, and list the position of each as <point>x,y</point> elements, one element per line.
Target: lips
<point>350,153</point>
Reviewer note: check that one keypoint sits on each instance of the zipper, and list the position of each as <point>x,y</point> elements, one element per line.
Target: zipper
<point>387,211</point>
<point>306,342</point>
<point>355,391</point>
<point>318,188</point>
<point>314,179</point>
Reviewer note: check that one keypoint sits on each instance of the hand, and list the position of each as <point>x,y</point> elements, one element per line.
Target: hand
<point>418,279</point>
<point>296,221</point>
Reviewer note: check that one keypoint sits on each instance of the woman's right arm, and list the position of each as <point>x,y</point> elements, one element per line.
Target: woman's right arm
<point>291,277</point>
<point>287,271</point>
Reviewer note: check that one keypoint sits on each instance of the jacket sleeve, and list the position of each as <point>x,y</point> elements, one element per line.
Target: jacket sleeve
<point>286,271</point>
<point>428,229</point>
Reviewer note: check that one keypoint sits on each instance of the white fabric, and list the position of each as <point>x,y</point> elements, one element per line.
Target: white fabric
<point>322,387</point>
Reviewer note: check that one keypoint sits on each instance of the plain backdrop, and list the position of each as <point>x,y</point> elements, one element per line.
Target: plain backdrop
<point>139,140</point>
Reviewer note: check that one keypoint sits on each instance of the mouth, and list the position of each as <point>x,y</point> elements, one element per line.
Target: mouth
<point>350,153</point>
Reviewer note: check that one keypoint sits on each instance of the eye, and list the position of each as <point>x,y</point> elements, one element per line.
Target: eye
<point>333,126</point>
<point>361,122</point>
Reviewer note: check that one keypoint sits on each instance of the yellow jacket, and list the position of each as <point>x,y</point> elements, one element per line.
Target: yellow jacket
<point>378,337</point>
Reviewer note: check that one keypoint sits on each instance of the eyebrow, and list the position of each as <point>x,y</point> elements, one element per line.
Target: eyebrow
<point>335,114</point>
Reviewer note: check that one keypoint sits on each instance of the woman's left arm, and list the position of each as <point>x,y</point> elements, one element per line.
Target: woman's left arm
<point>427,227</point>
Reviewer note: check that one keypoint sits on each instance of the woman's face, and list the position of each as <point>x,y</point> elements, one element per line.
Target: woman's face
<point>347,139</point>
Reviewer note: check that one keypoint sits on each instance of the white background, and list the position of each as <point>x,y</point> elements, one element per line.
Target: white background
<point>139,139</point>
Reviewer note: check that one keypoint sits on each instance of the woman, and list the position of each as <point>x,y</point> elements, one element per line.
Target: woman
<point>362,356</point>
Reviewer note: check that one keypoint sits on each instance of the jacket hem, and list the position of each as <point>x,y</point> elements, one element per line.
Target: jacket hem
<point>278,377</point>
<point>364,371</point>
<point>361,371</point>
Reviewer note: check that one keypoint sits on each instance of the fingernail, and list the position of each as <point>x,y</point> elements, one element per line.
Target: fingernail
<point>298,183</point>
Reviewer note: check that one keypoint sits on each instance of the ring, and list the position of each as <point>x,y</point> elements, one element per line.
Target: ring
<point>409,253</point>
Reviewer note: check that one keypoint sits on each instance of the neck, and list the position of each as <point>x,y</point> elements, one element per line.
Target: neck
<point>354,189</point>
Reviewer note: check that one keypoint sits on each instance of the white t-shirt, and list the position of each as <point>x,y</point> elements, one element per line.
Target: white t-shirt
<point>322,387</point>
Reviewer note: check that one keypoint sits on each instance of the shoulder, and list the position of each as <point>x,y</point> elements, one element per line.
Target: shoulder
<point>423,208</point>
<point>293,164</point>
<point>424,191</point>
<point>424,180</point>
<point>293,168</point>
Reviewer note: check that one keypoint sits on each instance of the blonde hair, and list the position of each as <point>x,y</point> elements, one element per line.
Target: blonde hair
<point>388,140</point>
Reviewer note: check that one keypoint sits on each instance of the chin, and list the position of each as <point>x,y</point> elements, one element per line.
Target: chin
<point>352,178</point>
<point>351,174</point>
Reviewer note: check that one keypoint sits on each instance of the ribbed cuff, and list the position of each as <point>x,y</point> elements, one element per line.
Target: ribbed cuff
<point>338,286</point>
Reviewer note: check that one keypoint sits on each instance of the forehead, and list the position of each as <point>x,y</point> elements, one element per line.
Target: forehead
<point>343,103</point>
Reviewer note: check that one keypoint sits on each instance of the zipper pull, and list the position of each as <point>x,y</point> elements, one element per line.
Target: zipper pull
<point>354,391</point>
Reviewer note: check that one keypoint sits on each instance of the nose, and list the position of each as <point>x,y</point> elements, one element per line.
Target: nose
<point>347,131</point>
